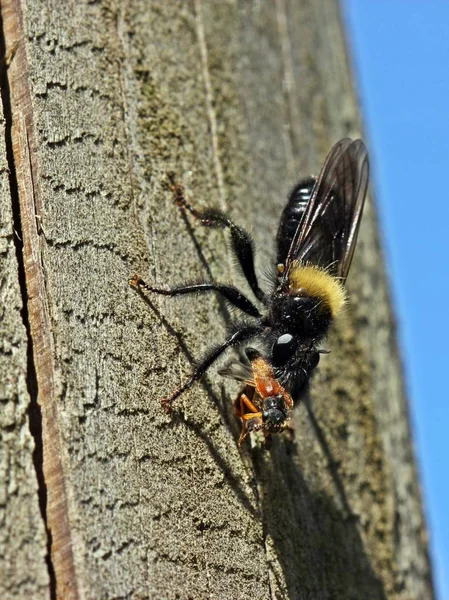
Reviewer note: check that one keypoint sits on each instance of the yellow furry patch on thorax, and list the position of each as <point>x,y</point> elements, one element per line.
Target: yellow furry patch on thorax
<point>318,283</point>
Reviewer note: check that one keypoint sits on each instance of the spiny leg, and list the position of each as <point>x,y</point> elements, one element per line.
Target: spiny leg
<point>239,336</point>
<point>242,243</point>
<point>229,292</point>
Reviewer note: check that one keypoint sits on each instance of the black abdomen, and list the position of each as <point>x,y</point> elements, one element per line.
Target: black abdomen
<point>292,215</point>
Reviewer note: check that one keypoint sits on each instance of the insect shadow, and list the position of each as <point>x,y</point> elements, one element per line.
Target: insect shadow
<point>306,528</point>
<point>225,409</point>
<point>318,544</point>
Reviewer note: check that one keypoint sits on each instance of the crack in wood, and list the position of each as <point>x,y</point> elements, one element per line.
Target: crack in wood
<point>43,417</point>
<point>34,410</point>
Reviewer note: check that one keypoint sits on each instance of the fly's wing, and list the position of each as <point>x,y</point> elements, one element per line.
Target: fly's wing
<point>238,370</point>
<point>327,233</point>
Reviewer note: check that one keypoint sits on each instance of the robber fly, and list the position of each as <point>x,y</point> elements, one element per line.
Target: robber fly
<point>316,239</point>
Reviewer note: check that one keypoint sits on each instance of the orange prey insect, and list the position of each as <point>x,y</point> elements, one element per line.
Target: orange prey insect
<point>263,404</point>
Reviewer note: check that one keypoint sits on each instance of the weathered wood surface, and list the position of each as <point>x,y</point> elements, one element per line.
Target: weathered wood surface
<point>23,542</point>
<point>237,99</point>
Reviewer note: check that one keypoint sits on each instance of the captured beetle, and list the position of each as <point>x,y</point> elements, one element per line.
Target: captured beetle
<point>263,404</point>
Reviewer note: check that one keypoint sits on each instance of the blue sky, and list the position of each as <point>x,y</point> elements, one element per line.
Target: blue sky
<point>400,51</point>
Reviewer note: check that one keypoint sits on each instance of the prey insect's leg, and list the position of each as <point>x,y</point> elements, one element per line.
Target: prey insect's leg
<point>241,335</point>
<point>229,292</point>
<point>242,243</point>
<point>245,402</point>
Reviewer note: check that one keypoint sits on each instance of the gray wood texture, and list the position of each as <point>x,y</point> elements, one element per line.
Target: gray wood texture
<point>237,99</point>
<point>23,541</point>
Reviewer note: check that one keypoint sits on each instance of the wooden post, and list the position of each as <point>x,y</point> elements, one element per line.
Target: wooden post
<point>102,101</point>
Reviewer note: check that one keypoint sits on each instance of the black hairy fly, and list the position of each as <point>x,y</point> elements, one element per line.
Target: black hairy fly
<point>316,239</point>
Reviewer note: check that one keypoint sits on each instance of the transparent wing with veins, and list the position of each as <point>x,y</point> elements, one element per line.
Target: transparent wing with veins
<point>327,233</point>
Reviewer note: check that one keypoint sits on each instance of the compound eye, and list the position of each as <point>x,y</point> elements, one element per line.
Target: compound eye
<point>284,347</point>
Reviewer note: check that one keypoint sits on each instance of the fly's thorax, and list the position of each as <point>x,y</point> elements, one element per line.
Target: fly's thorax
<point>303,316</point>
<point>300,315</point>
<point>314,282</point>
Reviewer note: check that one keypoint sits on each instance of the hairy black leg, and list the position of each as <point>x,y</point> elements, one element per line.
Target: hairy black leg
<point>237,337</point>
<point>242,244</point>
<point>229,292</point>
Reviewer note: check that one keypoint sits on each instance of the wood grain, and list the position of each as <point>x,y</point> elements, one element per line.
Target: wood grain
<point>237,100</point>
